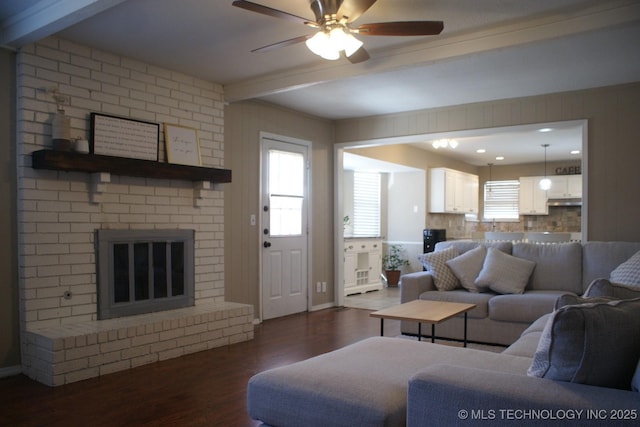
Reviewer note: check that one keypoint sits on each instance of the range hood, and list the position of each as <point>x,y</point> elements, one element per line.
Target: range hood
<point>564,202</point>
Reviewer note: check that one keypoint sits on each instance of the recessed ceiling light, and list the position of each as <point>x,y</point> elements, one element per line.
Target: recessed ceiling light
<point>500,158</point>
<point>575,151</point>
<point>481,150</point>
<point>545,130</point>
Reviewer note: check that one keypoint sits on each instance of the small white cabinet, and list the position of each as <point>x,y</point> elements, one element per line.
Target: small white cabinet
<point>452,191</point>
<point>362,265</point>
<point>533,200</point>
<point>565,187</point>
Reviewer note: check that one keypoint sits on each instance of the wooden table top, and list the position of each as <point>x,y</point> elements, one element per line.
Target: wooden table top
<point>424,311</point>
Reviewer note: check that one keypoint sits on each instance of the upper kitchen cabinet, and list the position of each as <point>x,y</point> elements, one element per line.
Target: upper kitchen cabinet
<point>453,191</point>
<point>565,187</point>
<point>533,200</point>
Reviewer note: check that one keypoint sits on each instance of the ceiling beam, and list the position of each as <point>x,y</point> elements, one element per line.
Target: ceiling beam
<point>598,17</point>
<point>47,17</point>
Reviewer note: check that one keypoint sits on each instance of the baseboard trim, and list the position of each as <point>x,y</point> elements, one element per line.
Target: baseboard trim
<point>10,371</point>
<point>322,306</point>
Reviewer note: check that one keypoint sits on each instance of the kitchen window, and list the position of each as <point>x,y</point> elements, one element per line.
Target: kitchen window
<point>366,204</point>
<point>501,200</point>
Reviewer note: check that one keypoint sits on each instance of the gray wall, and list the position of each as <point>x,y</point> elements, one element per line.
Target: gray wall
<point>9,332</point>
<point>243,123</point>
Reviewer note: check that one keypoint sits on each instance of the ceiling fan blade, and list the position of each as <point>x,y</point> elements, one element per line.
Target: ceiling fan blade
<point>265,10</point>
<point>402,28</point>
<point>359,55</point>
<point>283,43</point>
<point>353,9</point>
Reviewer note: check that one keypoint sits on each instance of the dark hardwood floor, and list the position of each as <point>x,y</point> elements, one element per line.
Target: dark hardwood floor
<point>201,389</point>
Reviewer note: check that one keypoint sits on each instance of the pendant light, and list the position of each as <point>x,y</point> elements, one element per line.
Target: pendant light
<point>490,185</point>
<point>545,183</point>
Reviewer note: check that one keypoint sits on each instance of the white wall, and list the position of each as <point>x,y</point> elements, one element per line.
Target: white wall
<point>406,211</point>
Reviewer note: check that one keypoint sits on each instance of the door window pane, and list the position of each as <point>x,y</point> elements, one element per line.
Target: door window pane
<point>286,187</point>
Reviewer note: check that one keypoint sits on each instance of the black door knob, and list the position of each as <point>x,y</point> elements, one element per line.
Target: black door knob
<point>267,244</point>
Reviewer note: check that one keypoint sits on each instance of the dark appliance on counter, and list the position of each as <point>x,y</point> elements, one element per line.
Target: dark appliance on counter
<point>431,236</point>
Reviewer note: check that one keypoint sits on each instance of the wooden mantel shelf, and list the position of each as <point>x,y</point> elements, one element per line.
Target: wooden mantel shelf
<point>80,162</point>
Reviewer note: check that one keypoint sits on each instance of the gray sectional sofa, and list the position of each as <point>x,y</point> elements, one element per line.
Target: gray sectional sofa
<point>576,365</point>
<point>563,268</point>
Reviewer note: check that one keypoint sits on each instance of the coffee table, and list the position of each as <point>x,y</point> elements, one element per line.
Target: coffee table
<point>422,311</point>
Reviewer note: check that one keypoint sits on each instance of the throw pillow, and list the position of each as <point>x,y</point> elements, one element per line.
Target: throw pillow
<point>628,273</point>
<point>604,288</point>
<point>467,266</point>
<point>435,262</point>
<point>595,344</point>
<point>504,273</point>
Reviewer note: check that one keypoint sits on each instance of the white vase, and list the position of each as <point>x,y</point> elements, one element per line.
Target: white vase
<point>61,132</point>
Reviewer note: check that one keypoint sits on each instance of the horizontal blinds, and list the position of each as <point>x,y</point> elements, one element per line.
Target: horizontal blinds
<point>501,199</point>
<point>366,204</point>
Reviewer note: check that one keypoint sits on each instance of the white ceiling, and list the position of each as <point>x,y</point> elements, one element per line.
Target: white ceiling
<point>489,49</point>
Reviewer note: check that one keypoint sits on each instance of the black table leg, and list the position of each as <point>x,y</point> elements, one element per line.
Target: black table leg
<point>433,332</point>
<point>465,328</point>
<point>382,326</point>
<point>419,331</point>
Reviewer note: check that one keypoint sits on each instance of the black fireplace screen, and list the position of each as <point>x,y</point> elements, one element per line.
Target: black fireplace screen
<point>143,271</point>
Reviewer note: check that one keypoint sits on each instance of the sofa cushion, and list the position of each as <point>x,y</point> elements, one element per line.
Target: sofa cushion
<point>435,262</point>
<point>558,266</point>
<point>570,299</point>
<point>467,266</point>
<point>466,245</point>
<point>635,381</point>
<point>527,344</point>
<point>523,308</point>
<point>594,344</point>
<point>503,273</point>
<point>460,295</point>
<point>604,288</point>
<point>628,273</point>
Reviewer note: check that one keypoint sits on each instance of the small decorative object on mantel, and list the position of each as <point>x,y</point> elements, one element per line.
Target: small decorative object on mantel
<point>182,145</point>
<point>61,125</point>
<point>121,137</point>
<point>392,263</point>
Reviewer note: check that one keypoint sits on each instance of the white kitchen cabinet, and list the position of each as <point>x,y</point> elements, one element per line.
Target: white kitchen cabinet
<point>565,187</point>
<point>533,200</point>
<point>362,265</point>
<point>452,191</point>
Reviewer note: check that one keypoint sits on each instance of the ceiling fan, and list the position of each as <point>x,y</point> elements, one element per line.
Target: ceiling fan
<point>335,36</point>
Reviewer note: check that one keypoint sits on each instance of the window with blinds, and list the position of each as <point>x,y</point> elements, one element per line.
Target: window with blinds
<point>501,200</point>
<point>366,204</point>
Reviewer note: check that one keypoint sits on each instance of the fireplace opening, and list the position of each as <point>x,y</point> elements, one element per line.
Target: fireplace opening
<point>143,271</point>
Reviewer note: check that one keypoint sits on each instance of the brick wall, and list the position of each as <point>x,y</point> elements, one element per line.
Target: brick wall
<point>58,212</point>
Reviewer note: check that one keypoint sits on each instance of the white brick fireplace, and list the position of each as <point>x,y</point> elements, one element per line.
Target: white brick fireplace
<point>59,213</point>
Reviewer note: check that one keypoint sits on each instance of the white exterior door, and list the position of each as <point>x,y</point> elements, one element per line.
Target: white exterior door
<point>284,204</point>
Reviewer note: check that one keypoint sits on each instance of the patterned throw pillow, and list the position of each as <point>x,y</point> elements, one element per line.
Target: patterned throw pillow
<point>504,273</point>
<point>467,266</point>
<point>435,262</point>
<point>628,273</point>
<point>594,344</point>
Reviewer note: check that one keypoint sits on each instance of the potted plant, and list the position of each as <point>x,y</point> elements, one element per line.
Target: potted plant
<point>392,263</point>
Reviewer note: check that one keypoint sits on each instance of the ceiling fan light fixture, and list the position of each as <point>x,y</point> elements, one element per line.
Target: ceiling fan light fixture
<point>321,45</point>
<point>329,44</point>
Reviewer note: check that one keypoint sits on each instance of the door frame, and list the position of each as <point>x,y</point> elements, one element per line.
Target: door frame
<point>308,145</point>
<point>339,148</point>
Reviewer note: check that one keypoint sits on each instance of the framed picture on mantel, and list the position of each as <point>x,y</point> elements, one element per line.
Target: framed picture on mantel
<point>122,137</point>
<point>182,145</point>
